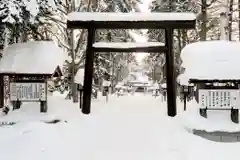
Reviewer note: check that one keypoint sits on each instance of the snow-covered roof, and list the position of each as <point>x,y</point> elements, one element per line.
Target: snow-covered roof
<point>126,45</point>
<point>120,85</point>
<point>32,57</point>
<point>164,85</point>
<point>79,77</point>
<point>138,82</point>
<point>137,77</point>
<point>106,83</point>
<point>110,16</point>
<point>211,60</point>
<point>155,86</point>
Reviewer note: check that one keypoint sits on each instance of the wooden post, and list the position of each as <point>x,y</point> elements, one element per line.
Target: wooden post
<point>171,79</point>
<point>203,112</point>
<point>1,91</point>
<point>44,104</point>
<point>88,73</point>
<point>107,97</point>
<point>235,115</point>
<point>16,104</point>
<point>185,102</point>
<point>81,100</point>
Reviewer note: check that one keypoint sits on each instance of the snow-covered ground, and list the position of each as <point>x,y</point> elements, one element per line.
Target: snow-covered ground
<point>129,127</point>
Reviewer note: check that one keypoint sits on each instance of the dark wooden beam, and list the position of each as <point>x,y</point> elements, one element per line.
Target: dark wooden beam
<point>1,90</point>
<point>135,49</point>
<point>26,74</point>
<point>214,81</point>
<point>178,24</point>
<point>88,73</point>
<point>171,76</point>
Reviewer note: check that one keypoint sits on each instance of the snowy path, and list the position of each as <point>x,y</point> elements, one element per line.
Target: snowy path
<point>135,131</point>
<point>126,128</point>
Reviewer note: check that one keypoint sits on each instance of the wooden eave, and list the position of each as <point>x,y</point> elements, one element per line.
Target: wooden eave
<point>177,24</point>
<point>196,81</point>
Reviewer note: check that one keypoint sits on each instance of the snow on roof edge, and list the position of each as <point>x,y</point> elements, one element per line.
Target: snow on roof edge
<point>127,44</point>
<point>32,57</point>
<point>210,60</point>
<point>134,16</point>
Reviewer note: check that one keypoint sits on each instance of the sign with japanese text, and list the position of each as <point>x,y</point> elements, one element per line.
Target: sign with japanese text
<point>219,98</point>
<point>28,91</point>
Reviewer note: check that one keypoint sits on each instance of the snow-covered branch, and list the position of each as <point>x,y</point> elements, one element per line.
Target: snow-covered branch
<point>59,40</point>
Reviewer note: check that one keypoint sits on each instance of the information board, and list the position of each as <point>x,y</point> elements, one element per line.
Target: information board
<point>219,98</point>
<point>28,91</point>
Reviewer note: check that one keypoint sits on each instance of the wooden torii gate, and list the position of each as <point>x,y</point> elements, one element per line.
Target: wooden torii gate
<point>95,20</point>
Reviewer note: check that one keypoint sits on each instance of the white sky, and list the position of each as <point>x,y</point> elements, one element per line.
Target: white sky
<point>144,8</point>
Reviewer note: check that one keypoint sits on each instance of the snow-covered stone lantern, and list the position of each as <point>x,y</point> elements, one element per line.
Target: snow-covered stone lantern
<point>155,89</point>
<point>78,79</point>
<point>106,85</point>
<point>186,91</point>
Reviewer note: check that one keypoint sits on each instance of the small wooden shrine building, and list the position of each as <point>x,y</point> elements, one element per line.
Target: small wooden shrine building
<point>29,64</point>
<point>213,67</point>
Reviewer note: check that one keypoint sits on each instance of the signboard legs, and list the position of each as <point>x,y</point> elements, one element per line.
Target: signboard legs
<point>16,104</point>
<point>234,115</point>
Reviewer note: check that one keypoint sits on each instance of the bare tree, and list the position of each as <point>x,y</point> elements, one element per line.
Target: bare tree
<point>239,19</point>
<point>224,21</point>
<point>203,24</point>
<point>71,41</point>
<point>230,19</point>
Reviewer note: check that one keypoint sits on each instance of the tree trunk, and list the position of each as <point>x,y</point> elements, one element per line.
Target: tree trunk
<point>23,33</point>
<point>6,32</point>
<point>230,19</point>
<point>224,21</point>
<point>239,20</point>
<point>179,35</point>
<point>73,65</point>
<point>112,73</point>
<point>203,31</point>
<point>184,38</point>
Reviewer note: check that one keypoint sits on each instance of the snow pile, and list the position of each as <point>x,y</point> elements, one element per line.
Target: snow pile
<point>130,127</point>
<point>216,121</point>
<point>58,108</point>
<point>134,16</point>
<point>32,57</point>
<point>210,60</point>
<point>79,77</point>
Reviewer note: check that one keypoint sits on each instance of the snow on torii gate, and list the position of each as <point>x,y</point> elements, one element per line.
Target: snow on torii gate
<point>95,20</point>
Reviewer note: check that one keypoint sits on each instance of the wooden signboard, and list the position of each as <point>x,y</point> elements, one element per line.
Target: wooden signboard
<point>28,91</point>
<point>219,98</point>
